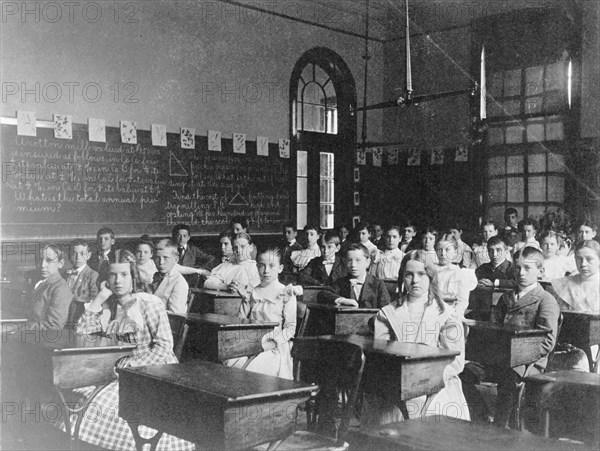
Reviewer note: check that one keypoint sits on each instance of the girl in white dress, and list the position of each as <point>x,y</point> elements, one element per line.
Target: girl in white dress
<point>420,316</point>
<point>239,273</point>
<point>391,258</point>
<point>555,265</point>
<point>429,237</point>
<point>144,252</point>
<point>301,258</point>
<point>270,301</point>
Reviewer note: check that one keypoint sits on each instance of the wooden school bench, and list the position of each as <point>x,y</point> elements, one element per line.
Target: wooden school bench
<point>209,404</point>
<point>216,338</point>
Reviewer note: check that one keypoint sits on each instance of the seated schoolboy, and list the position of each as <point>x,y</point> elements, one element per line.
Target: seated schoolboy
<point>168,284</point>
<point>510,233</point>
<point>529,306</point>
<point>105,240</point>
<point>328,268</point>
<point>498,273</point>
<point>50,300</point>
<point>480,251</point>
<point>144,254</point>
<point>528,228</point>
<point>289,245</point>
<point>358,288</point>
<point>377,237</point>
<point>301,258</point>
<point>191,255</point>
<point>390,258</point>
<point>409,243</point>
<point>82,280</point>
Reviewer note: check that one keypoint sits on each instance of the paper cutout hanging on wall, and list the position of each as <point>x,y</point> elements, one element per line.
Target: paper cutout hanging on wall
<point>377,156</point>
<point>128,132</point>
<point>159,135</point>
<point>239,143</point>
<point>63,126</point>
<point>26,125</point>
<point>392,156</point>
<point>437,155</point>
<point>361,156</point>
<point>414,157</point>
<point>462,153</point>
<point>188,138</point>
<point>262,146</point>
<point>214,140</point>
<point>96,130</point>
<point>284,148</point>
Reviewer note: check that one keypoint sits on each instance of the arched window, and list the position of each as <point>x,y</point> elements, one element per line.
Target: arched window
<point>323,129</point>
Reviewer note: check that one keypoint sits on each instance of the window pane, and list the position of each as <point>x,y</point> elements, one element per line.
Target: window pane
<point>314,118</point>
<point>313,94</point>
<point>512,82</point>
<point>537,189</point>
<point>554,101</point>
<point>554,131</point>
<point>533,105</point>
<point>326,165</point>
<point>535,132</point>
<point>512,107</point>
<point>556,189</point>
<point>326,216</point>
<point>496,166</point>
<point>321,76</point>
<point>556,162</point>
<point>555,76</point>
<point>534,79</point>
<point>301,187</point>
<point>496,214</point>
<point>307,75</point>
<point>515,189</point>
<point>537,163</point>
<point>514,164</point>
<point>497,190</point>
<point>302,163</point>
<point>301,215</point>
<point>326,191</point>
<point>332,124</point>
<point>494,85</point>
<point>495,135</point>
<point>514,134</point>
<point>536,211</point>
<point>494,108</point>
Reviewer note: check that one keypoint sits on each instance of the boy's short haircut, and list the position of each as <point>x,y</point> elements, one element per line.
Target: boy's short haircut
<point>57,250</point>
<point>551,233</point>
<point>454,225</point>
<point>358,247</point>
<point>227,234</point>
<point>489,223</point>
<point>290,225</point>
<point>79,242</point>
<point>394,227</point>
<point>410,223</point>
<point>530,222</point>
<point>531,253</point>
<point>496,240</point>
<point>105,231</point>
<point>363,225</point>
<point>510,211</point>
<point>179,227</point>
<point>590,224</point>
<point>241,220</point>
<point>168,243</point>
<point>331,236</point>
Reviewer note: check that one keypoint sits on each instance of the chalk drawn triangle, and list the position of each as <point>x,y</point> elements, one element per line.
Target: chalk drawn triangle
<point>238,199</point>
<point>175,166</point>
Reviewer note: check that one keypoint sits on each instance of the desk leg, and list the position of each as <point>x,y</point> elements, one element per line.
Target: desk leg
<point>140,441</point>
<point>79,411</point>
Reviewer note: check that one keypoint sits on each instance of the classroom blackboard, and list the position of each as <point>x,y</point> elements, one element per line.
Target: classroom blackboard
<point>66,188</point>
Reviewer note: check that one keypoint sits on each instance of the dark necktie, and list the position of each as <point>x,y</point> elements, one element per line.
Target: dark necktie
<point>72,279</point>
<point>156,280</point>
<point>353,284</point>
<point>181,253</point>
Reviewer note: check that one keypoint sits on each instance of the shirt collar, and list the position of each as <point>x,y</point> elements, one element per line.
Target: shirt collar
<point>359,279</point>
<point>526,290</point>
<point>291,243</point>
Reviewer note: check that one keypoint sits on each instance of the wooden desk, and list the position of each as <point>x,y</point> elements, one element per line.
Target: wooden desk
<point>216,338</point>
<point>333,320</point>
<point>310,293</point>
<point>583,331</point>
<point>481,301</point>
<point>570,400</point>
<point>439,432</point>
<point>496,344</point>
<point>215,301</point>
<point>400,370</point>
<point>55,361</point>
<point>212,405</point>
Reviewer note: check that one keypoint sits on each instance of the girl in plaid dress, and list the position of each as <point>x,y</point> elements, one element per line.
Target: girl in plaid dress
<point>136,317</point>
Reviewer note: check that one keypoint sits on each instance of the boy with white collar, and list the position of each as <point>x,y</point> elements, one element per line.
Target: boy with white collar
<point>82,280</point>
<point>168,283</point>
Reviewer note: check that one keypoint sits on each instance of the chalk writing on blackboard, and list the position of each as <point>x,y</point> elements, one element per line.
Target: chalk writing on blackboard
<point>238,199</point>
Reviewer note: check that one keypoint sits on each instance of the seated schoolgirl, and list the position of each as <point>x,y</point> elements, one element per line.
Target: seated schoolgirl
<point>136,317</point>
<point>270,301</point>
<point>239,224</point>
<point>420,316</point>
<point>237,273</point>
<point>555,265</point>
<point>358,288</point>
<point>226,241</point>
<point>390,259</point>
<point>429,237</point>
<point>301,258</point>
<point>580,292</point>
<point>465,251</point>
<point>528,228</point>
<point>455,283</point>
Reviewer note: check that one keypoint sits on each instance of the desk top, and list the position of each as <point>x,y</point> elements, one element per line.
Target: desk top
<point>404,351</point>
<point>215,293</point>
<point>342,309</point>
<point>503,328</point>
<point>231,322</point>
<point>581,315</point>
<point>568,377</point>
<point>439,432</point>
<point>230,385</point>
